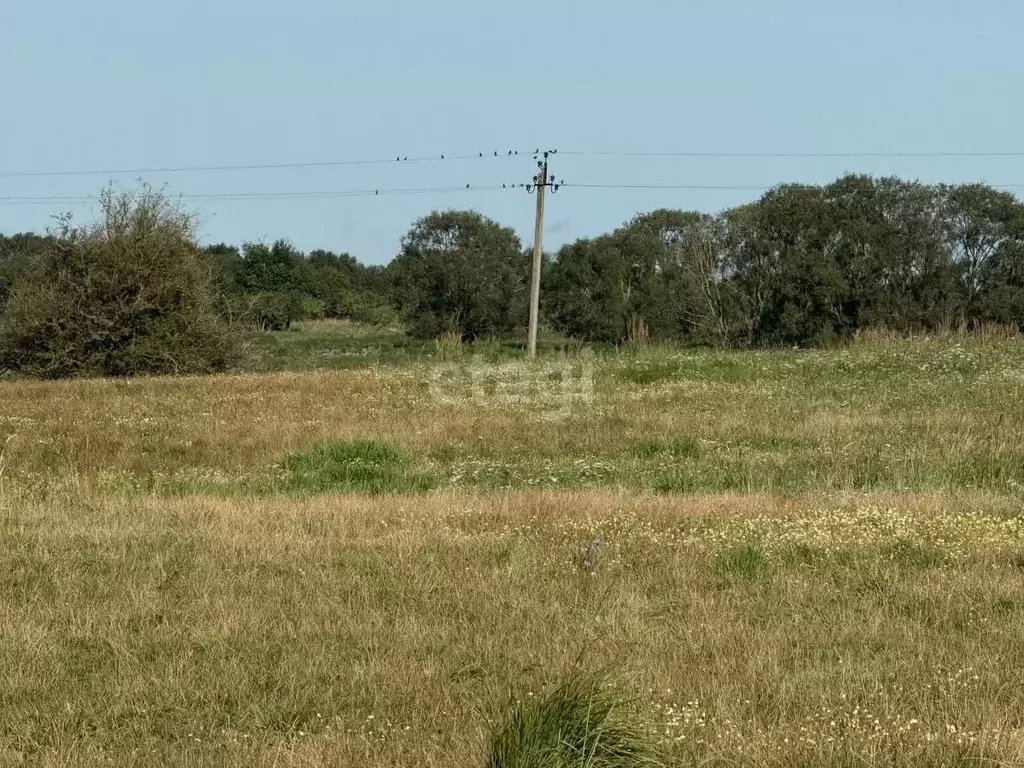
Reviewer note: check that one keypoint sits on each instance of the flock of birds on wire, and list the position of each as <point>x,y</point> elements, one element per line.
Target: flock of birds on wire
<point>552,183</point>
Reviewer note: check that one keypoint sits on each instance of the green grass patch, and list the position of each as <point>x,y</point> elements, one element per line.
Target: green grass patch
<point>916,556</point>
<point>678,448</point>
<point>745,563</point>
<point>674,482</point>
<point>649,371</point>
<point>798,554</point>
<point>334,345</point>
<point>362,466</point>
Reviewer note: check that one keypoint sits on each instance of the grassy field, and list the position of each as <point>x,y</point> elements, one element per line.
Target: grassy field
<point>809,558</point>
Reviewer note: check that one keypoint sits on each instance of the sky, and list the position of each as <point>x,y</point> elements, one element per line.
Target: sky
<point>112,85</point>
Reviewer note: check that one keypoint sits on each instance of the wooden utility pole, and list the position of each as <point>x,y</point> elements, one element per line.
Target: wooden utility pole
<point>540,184</point>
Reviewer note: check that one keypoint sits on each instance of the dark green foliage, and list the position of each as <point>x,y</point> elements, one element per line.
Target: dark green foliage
<point>127,295</point>
<point>270,268</point>
<point>659,270</point>
<point>787,263</point>
<point>585,293</point>
<point>268,287</point>
<point>225,262</point>
<point>582,722</point>
<point>272,311</point>
<point>461,272</point>
<point>15,253</point>
<point>802,266</point>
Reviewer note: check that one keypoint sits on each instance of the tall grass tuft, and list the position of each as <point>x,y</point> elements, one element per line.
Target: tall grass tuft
<point>450,346</point>
<point>638,333</point>
<point>579,724</point>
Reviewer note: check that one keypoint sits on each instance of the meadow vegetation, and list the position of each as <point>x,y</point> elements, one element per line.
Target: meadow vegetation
<point>789,557</point>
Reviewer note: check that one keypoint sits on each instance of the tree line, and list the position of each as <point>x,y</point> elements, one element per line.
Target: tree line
<point>803,265</point>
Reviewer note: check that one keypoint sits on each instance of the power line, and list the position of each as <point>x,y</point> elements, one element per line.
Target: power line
<point>791,155</point>
<point>241,196</point>
<point>399,159</point>
<point>479,155</point>
<point>715,187</point>
<point>379,192</point>
<point>684,187</point>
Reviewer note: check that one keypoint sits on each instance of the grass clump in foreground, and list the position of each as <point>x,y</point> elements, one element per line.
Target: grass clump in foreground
<point>579,724</point>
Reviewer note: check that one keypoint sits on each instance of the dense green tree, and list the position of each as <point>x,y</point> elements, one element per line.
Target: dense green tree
<point>587,290</point>
<point>660,272</point>
<point>273,268</point>
<point>788,261</point>
<point>274,284</point>
<point>225,262</point>
<point>459,271</point>
<point>984,227</point>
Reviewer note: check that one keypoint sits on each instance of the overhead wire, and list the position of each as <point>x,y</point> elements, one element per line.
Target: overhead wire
<point>372,192</point>
<point>305,195</point>
<point>791,155</point>
<point>398,159</point>
<point>477,155</point>
<point>714,187</point>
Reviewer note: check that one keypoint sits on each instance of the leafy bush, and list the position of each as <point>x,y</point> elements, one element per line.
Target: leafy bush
<point>365,307</point>
<point>129,294</point>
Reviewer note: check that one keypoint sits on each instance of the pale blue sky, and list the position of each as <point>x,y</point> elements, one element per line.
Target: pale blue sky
<point>110,84</point>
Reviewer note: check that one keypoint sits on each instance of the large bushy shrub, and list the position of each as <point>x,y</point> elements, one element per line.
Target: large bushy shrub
<point>128,294</point>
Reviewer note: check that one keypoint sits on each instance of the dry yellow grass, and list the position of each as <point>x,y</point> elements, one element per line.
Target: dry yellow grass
<point>347,630</point>
<point>929,416</point>
<point>841,585</point>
